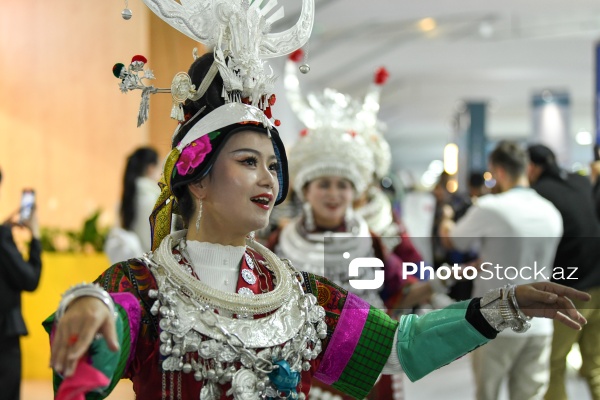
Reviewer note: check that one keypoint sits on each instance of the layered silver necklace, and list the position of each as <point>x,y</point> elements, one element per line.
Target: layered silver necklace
<point>261,358</point>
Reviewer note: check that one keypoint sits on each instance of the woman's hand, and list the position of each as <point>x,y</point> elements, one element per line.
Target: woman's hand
<point>32,224</point>
<point>551,300</point>
<point>75,331</point>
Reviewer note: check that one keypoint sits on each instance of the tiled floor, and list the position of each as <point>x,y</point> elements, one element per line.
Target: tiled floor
<point>452,382</point>
<point>455,382</point>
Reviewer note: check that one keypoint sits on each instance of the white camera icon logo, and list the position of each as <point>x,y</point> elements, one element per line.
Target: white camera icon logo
<point>366,262</point>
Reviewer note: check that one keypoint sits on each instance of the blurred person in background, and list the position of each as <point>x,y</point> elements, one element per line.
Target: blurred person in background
<point>461,290</point>
<point>16,275</point>
<point>578,254</point>
<point>332,167</point>
<point>452,206</point>
<point>594,175</point>
<point>477,186</point>
<point>140,191</point>
<point>516,228</point>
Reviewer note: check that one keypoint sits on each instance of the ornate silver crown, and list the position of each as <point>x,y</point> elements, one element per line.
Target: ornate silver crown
<point>331,109</point>
<point>239,33</point>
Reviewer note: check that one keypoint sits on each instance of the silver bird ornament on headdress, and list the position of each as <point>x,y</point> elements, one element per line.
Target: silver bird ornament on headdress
<point>239,32</point>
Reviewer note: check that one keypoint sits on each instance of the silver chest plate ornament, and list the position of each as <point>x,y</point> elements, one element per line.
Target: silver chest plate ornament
<point>261,358</point>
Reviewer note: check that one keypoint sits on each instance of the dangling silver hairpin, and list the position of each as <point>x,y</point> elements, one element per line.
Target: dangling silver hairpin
<point>126,13</point>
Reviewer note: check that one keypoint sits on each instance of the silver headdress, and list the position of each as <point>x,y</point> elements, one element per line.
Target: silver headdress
<point>332,109</point>
<point>330,145</point>
<point>239,33</point>
<point>330,151</point>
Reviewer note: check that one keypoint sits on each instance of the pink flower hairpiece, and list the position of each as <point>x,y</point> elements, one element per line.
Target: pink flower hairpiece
<point>193,155</point>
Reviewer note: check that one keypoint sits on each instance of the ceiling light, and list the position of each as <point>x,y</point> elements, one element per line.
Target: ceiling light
<point>486,29</point>
<point>427,24</point>
<point>452,186</point>
<point>547,96</point>
<point>451,158</point>
<point>436,166</point>
<point>583,138</point>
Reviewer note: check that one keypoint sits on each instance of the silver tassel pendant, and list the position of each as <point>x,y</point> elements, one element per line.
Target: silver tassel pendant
<point>210,391</point>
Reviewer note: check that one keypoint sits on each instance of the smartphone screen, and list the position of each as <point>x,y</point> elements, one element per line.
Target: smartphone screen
<point>27,204</point>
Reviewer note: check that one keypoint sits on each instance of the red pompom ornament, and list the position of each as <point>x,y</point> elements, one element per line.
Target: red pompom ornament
<point>272,100</point>
<point>297,55</point>
<point>277,122</point>
<point>381,76</point>
<point>303,132</point>
<point>139,58</point>
<point>268,112</point>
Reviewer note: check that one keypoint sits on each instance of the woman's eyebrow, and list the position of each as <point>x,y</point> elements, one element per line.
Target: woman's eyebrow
<point>253,151</point>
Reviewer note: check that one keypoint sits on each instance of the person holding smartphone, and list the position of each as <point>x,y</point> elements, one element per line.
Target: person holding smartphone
<point>16,275</point>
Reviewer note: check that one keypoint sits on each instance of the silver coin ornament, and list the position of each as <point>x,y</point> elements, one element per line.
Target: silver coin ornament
<point>248,276</point>
<point>126,14</point>
<point>304,68</point>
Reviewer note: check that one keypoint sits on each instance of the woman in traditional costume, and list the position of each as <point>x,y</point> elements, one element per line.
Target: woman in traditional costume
<point>212,314</point>
<point>332,165</point>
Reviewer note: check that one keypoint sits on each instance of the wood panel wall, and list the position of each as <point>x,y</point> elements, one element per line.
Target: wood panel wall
<point>65,129</point>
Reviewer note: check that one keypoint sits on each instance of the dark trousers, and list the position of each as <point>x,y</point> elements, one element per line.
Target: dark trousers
<point>10,368</point>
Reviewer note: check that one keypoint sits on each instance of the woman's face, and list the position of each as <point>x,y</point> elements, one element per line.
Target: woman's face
<point>240,192</point>
<point>329,198</point>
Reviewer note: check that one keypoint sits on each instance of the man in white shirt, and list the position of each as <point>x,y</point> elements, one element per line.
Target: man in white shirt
<point>518,232</point>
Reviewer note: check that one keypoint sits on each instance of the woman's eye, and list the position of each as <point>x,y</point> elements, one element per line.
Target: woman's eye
<point>251,161</point>
<point>274,167</point>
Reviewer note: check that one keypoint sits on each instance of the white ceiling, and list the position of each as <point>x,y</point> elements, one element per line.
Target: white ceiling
<point>496,51</point>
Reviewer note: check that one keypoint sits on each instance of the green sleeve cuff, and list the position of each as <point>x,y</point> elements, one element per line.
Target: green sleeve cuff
<point>435,339</point>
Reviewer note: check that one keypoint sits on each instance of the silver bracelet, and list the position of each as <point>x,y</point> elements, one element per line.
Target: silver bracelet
<point>84,290</point>
<point>521,321</point>
<point>515,304</point>
<point>498,310</point>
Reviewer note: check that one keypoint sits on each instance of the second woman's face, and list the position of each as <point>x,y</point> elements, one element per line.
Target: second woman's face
<point>329,198</point>
<point>243,186</point>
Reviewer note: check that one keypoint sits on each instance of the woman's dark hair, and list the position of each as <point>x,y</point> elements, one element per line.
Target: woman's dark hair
<point>543,157</point>
<point>211,100</point>
<point>137,165</point>
<point>476,179</point>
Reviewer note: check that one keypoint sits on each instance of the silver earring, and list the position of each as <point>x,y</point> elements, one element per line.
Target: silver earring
<point>350,221</point>
<point>349,217</point>
<point>199,215</point>
<point>126,13</point>
<point>309,220</point>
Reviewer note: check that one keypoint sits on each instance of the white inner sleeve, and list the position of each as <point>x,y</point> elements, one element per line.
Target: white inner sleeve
<point>392,366</point>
